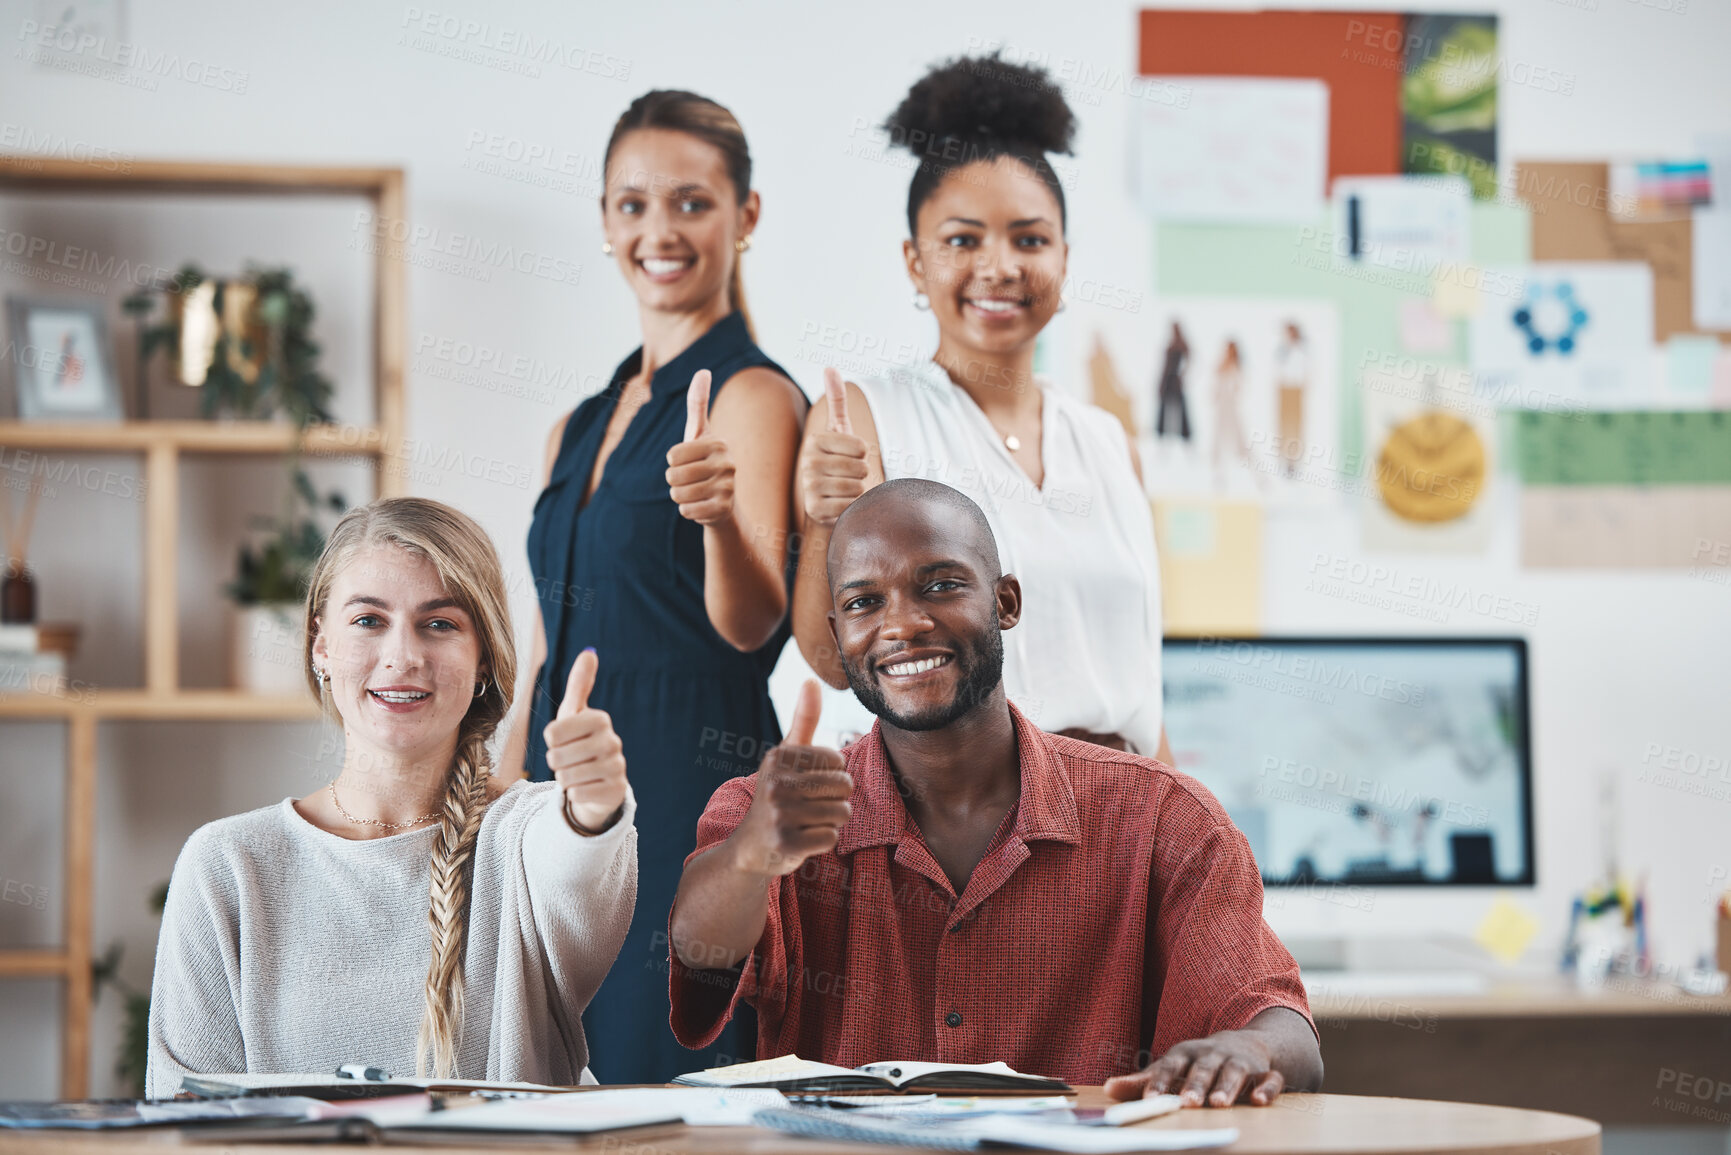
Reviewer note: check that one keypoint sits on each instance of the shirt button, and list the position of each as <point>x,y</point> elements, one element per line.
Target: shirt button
<point>953,1019</point>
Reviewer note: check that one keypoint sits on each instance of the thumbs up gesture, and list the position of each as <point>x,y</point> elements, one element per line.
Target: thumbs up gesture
<point>584,753</point>
<point>832,467</point>
<point>699,468</point>
<point>801,798</point>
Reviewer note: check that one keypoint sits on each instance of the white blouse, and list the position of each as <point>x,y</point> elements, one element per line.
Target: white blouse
<point>1087,651</point>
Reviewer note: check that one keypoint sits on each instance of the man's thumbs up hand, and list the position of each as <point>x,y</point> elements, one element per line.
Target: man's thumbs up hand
<point>585,755</point>
<point>832,466</point>
<point>800,801</point>
<point>699,468</point>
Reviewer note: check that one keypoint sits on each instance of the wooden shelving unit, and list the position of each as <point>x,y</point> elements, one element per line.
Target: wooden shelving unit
<point>162,444</point>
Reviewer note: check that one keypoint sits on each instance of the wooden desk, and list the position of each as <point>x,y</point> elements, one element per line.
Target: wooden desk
<point>1630,1054</point>
<point>1295,1125</point>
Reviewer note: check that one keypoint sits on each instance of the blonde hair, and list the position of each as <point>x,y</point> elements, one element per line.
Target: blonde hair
<point>469,570</point>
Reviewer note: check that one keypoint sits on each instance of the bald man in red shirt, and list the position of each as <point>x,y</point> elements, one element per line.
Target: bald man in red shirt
<point>963,887</point>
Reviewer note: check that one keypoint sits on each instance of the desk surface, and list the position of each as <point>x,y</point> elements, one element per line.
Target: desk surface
<point>1528,998</point>
<point>1295,1125</point>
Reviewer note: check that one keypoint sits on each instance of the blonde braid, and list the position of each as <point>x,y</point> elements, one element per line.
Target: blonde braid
<point>464,806</point>
<point>469,571</point>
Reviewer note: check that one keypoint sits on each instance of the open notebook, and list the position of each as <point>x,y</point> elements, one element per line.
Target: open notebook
<point>792,1073</point>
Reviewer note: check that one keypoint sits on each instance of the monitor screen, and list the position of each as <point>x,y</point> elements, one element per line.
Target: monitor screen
<point>1362,760</point>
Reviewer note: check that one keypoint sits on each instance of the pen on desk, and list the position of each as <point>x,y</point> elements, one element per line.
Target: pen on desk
<point>362,1071</point>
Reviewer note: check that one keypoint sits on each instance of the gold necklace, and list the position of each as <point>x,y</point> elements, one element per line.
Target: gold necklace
<point>375,821</point>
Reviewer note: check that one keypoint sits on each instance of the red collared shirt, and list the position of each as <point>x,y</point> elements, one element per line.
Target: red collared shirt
<point>1117,911</point>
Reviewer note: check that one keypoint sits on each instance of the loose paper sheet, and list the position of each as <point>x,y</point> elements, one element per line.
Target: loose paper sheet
<point>1625,527</point>
<point>1241,401</point>
<point>1403,222</point>
<point>1430,446</point>
<point>1108,388</point>
<point>1239,149</point>
<point>1711,241</point>
<point>1624,490</point>
<point>1566,333</point>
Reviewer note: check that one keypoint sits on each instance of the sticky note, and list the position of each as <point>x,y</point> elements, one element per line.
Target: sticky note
<point>1191,531</point>
<point>1505,931</point>
<point>1689,361</point>
<point>1423,329</point>
<point>1456,293</point>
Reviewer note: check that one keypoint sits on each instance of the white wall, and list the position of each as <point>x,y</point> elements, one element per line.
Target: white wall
<point>1621,660</point>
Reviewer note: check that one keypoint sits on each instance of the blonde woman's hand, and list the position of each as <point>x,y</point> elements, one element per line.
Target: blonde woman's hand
<point>585,755</point>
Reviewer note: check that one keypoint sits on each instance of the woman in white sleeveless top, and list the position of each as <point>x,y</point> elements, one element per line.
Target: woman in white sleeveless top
<point>1058,479</point>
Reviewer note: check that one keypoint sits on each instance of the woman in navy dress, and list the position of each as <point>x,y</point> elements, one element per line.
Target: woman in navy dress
<point>660,539</point>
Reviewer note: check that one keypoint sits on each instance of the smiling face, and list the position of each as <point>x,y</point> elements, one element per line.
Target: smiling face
<point>402,656</point>
<point>919,610</point>
<point>673,218</point>
<point>990,254</point>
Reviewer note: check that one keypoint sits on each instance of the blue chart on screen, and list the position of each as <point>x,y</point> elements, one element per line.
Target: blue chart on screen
<point>1370,761</point>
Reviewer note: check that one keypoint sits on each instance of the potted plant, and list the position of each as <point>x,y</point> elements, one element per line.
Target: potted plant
<point>270,583</point>
<point>244,342</point>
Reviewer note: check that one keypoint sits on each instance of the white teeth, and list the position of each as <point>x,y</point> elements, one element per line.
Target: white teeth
<point>992,306</point>
<point>656,266</point>
<point>906,669</point>
<point>397,695</point>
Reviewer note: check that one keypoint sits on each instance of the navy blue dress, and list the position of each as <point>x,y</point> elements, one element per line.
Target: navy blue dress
<point>624,574</point>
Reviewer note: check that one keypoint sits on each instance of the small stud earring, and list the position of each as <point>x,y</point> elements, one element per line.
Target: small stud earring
<point>607,247</point>
<point>742,244</point>
<point>1063,303</point>
<point>922,302</point>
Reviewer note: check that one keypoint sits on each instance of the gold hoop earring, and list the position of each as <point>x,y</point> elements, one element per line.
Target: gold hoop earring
<point>607,247</point>
<point>742,244</point>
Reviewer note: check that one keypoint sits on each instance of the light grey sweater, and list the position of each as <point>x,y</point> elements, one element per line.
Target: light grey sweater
<point>286,948</point>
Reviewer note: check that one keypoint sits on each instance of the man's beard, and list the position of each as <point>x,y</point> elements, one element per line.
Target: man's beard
<point>981,669</point>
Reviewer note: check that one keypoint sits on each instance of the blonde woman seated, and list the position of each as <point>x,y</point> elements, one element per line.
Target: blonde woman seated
<point>416,914</point>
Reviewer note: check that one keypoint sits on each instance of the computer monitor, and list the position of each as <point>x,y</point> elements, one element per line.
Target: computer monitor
<point>1369,761</point>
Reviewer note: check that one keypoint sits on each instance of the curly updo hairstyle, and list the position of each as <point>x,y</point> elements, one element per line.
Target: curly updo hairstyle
<point>980,108</point>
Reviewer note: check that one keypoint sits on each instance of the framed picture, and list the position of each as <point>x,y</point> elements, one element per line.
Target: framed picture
<point>62,363</point>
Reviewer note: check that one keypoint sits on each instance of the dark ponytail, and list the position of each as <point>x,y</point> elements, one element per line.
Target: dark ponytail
<point>979,108</point>
<point>697,116</point>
